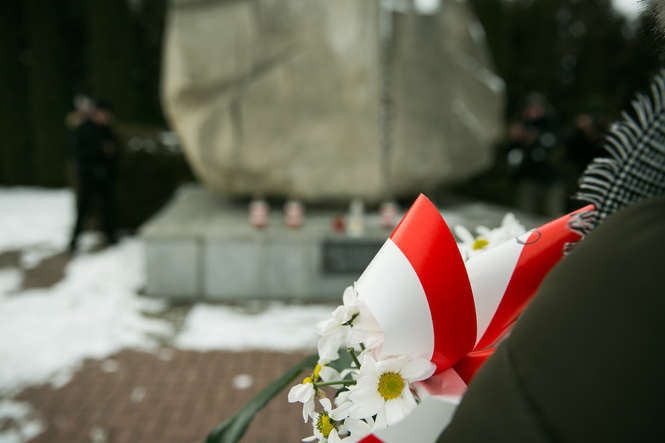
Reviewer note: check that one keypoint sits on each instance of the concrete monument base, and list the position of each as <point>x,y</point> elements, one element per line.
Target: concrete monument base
<point>201,247</point>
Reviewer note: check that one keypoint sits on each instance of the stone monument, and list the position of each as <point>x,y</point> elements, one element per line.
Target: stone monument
<point>329,99</point>
<point>317,101</point>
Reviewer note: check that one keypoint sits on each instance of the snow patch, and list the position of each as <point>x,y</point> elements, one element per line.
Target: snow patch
<point>31,258</point>
<point>10,281</point>
<point>92,313</point>
<point>279,327</point>
<point>242,381</point>
<point>138,394</point>
<point>98,435</point>
<point>110,365</point>
<point>32,217</point>
<point>17,422</point>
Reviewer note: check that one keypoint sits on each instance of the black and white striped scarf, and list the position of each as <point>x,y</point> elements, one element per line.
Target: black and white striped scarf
<point>635,169</point>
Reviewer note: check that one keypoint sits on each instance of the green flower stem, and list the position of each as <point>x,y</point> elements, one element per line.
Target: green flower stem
<point>352,353</point>
<point>350,322</point>
<point>232,429</point>
<point>333,383</point>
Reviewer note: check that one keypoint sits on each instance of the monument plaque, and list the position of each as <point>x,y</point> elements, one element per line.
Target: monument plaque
<point>347,256</point>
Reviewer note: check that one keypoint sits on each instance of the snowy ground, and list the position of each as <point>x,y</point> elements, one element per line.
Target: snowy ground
<point>95,310</point>
<point>35,221</point>
<point>276,327</point>
<point>17,422</point>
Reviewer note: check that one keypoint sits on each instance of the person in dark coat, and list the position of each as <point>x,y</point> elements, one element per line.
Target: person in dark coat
<point>95,151</point>
<point>584,363</point>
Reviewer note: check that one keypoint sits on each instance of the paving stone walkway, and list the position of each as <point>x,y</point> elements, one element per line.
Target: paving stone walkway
<point>164,396</point>
<point>167,396</point>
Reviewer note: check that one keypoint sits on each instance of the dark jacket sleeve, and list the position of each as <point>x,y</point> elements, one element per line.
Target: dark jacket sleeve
<point>585,361</point>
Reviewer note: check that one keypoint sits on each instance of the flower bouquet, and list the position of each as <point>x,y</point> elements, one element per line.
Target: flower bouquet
<point>419,322</point>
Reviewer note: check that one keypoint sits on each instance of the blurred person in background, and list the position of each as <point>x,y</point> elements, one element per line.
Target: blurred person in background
<point>534,140</point>
<point>83,108</point>
<point>95,150</point>
<point>584,142</point>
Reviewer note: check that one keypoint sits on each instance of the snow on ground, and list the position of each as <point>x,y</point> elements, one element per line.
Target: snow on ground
<point>95,311</point>
<point>279,327</point>
<point>92,313</point>
<point>17,423</point>
<point>10,280</point>
<point>32,217</point>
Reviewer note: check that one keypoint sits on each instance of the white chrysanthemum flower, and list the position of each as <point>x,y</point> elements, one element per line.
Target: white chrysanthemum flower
<point>487,238</point>
<point>325,428</point>
<point>508,230</point>
<point>344,405</point>
<point>328,374</point>
<point>382,389</point>
<point>333,337</point>
<point>350,308</point>
<point>356,427</point>
<point>365,330</point>
<point>469,245</point>
<point>304,393</point>
<point>334,331</point>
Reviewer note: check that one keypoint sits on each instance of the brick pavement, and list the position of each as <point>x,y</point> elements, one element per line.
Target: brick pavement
<point>47,273</point>
<point>169,396</point>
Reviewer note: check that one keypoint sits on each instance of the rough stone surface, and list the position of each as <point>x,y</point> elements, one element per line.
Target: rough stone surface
<point>284,97</point>
<point>233,269</point>
<point>172,267</point>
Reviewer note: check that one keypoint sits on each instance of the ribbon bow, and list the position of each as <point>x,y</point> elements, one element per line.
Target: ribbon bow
<point>429,302</point>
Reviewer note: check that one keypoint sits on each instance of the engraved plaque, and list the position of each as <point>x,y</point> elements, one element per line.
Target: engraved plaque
<point>347,256</point>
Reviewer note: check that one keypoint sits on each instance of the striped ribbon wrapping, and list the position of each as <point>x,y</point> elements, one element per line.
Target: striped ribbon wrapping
<point>430,303</point>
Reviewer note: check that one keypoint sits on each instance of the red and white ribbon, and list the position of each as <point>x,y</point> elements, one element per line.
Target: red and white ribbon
<point>430,303</point>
